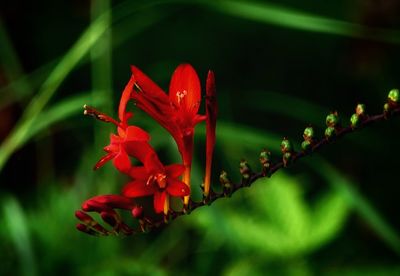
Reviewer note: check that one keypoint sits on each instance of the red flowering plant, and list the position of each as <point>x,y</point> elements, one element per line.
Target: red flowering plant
<point>178,114</point>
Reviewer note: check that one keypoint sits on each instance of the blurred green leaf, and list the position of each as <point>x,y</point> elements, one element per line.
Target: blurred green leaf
<point>17,227</point>
<point>358,202</point>
<point>280,15</point>
<point>273,218</point>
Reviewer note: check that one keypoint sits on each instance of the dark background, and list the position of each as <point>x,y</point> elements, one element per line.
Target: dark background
<point>279,65</point>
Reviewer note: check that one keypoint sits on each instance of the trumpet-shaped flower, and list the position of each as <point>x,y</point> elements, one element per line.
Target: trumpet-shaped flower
<point>137,137</point>
<point>178,111</point>
<point>156,179</point>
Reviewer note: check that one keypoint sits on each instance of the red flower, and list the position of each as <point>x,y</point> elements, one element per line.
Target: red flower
<point>177,112</point>
<point>137,137</point>
<point>105,205</point>
<point>156,179</point>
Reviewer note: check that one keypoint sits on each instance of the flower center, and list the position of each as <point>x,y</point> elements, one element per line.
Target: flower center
<point>180,95</point>
<point>161,180</point>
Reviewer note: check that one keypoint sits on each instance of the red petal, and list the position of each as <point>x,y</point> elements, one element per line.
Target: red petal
<point>122,162</point>
<point>139,150</point>
<point>107,202</point>
<point>153,164</point>
<point>211,122</point>
<point>139,173</point>
<point>177,188</point>
<point>146,84</point>
<point>174,170</point>
<point>138,188</point>
<point>159,199</point>
<point>104,160</point>
<point>185,79</point>
<point>126,95</point>
<point>134,133</point>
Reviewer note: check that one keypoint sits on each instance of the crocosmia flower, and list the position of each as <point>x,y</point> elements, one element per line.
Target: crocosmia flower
<point>176,112</point>
<point>156,179</point>
<point>137,137</point>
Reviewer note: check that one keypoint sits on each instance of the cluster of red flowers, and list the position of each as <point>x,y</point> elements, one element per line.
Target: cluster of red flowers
<point>177,112</point>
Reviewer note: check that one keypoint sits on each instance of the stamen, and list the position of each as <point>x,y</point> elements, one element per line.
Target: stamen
<point>90,111</point>
<point>150,180</point>
<point>180,95</point>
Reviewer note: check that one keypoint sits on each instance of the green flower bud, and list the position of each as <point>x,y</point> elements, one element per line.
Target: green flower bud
<point>265,160</point>
<point>354,120</point>
<point>287,158</point>
<point>360,109</point>
<point>386,107</point>
<point>329,132</point>
<point>245,170</point>
<point>332,119</point>
<point>308,133</point>
<point>286,145</point>
<point>306,145</point>
<point>224,179</point>
<point>393,95</point>
<point>265,157</point>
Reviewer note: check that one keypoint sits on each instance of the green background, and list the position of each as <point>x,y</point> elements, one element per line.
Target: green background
<point>279,65</point>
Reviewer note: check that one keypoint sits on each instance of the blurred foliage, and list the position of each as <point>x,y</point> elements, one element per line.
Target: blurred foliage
<point>318,218</point>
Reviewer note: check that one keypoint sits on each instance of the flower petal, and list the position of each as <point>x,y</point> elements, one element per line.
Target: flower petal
<point>153,164</point>
<point>138,149</point>
<point>159,199</point>
<point>134,133</point>
<point>174,170</point>
<point>177,188</point>
<point>104,160</point>
<point>105,202</point>
<point>139,173</point>
<point>184,89</point>
<point>122,161</point>
<point>146,84</point>
<point>126,95</point>
<point>138,188</point>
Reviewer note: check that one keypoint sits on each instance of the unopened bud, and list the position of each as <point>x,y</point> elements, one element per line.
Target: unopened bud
<point>286,145</point>
<point>360,109</point>
<point>287,158</point>
<point>332,120</point>
<point>265,160</point>
<point>330,132</point>
<point>354,120</point>
<point>225,181</point>
<point>308,133</point>
<point>393,95</point>
<point>137,212</point>
<point>245,169</point>
<point>306,145</point>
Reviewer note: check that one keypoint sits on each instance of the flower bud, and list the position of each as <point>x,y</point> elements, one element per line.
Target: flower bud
<point>286,145</point>
<point>360,109</point>
<point>245,169</point>
<point>287,158</point>
<point>330,132</point>
<point>225,181</point>
<point>393,95</point>
<point>332,120</point>
<point>137,212</point>
<point>308,133</point>
<point>354,120</point>
<point>306,145</point>
<point>265,160</point>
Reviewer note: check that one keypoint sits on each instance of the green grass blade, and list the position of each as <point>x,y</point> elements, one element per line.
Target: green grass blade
<point>358,202</point>
<point>291,18</point>
<point>10,62</point>
<point>17,226</point>
<point>77,52</point>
